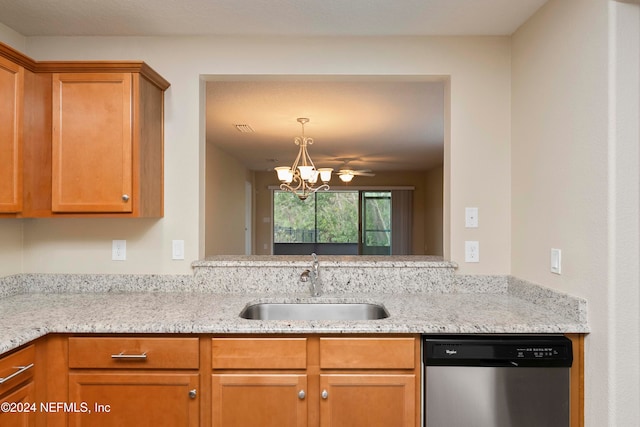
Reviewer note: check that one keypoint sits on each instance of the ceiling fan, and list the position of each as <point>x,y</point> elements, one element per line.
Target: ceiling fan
<point>346,175</point>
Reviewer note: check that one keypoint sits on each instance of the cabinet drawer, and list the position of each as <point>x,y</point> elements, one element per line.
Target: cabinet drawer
<point>259,353</point>
<point>17,368</point>
<point>134,353</point>
<point>367,353</point>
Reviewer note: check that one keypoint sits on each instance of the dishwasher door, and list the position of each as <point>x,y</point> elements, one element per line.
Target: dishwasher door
<point>508,383</point>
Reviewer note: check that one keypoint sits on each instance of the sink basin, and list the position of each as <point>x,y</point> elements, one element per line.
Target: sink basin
<point>314,311</point>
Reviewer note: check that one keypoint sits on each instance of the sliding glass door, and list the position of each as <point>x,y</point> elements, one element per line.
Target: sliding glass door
<point>376,223</point>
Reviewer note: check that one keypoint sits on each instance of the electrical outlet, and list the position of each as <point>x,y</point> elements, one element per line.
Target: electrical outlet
<point>471,251</point>
<point>177,249</point>
<point>119,250</point>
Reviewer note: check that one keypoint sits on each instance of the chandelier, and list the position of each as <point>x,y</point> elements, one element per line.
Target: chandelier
<point>301,178</point>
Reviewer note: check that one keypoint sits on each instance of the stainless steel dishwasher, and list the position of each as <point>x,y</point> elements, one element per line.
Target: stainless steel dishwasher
<point>496,381</point>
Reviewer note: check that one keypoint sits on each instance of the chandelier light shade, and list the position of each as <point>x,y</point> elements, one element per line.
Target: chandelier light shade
<point>302,177</point>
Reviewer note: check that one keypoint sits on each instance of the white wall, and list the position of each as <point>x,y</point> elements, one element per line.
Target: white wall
<point>571,174</point>
<point>478,173</point>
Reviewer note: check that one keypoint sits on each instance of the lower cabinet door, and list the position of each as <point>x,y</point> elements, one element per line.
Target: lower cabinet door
<point>128,399</point>
<point>265,400</point>
<point>364,400</point>
<point>22,408</point>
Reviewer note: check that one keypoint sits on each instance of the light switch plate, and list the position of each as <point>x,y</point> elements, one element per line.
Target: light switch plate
<point>471,217</point>
<point>177,249</point>
<point>556,261</point>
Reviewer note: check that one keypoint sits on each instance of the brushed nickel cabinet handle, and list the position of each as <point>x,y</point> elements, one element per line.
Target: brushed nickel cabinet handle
<point>301,395</point>
<point>122,356</point>
<point>325,394</point>
<point>125,197</point>
<point>20,370</point>
<point>193,393</point>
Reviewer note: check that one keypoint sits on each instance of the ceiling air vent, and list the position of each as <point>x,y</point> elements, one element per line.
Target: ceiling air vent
<point>244,128</point>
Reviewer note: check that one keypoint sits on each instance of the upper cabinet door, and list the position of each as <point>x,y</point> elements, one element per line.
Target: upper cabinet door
<point>11,96</point>
<point>92,142</point>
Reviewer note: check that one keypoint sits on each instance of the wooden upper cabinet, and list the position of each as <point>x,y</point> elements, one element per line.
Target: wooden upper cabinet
<point>92,143</point>
<point>11,96</point>
<point>107,148</point>
<point>80,138</point>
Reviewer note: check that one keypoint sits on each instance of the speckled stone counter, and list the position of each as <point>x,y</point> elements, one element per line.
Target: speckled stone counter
<point>421,295</point>
<point>339,274</point>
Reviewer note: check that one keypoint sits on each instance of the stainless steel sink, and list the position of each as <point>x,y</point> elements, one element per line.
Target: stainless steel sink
<point>314,311</point>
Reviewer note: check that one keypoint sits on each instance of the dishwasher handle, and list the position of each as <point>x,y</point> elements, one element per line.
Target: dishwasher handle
<point>491,363</point>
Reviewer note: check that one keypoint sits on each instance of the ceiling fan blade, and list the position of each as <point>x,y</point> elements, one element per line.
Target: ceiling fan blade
<point>363,173</point>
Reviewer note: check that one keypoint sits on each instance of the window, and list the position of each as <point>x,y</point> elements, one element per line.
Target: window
<point>325,223</point>
<point>334,222</point>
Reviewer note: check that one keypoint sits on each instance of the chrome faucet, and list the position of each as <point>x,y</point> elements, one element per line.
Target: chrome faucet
<point>313,277</point>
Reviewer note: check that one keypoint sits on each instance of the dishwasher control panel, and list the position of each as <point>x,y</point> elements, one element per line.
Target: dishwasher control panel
<point>497,350</point>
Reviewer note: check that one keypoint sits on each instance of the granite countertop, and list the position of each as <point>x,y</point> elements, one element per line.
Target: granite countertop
<point>42,304</point>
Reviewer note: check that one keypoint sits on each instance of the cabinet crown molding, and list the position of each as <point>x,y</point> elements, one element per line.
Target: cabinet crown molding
<point>84,66</point>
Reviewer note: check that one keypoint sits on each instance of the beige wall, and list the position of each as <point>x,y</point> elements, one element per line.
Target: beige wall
<point>433,215</point>
<point>421,228</point>
<point>12,38</point>
<point>225,204</point>
<point>264,212</point>
<point>10,246</point>
<point>563,173</point>
<point>624,212</point>
<point>575,181</point>
<point>476,161</point>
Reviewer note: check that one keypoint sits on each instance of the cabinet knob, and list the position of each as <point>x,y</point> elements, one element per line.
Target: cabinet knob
<point>324,394</point>
<point>301,395</point>
<point>125,197</point>
<point>193,393</point>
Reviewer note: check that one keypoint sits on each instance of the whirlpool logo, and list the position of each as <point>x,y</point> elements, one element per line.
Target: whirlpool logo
<point>451,352</point>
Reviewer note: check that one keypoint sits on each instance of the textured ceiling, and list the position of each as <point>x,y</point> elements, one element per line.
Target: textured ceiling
<point>383,125</point>
<point>265,17</point>
<point>379,125</point>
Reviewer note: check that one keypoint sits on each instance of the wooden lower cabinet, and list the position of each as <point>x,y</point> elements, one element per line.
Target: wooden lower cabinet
<point>17,389</point>
<point>367,400</point>
<point>316,381</point>
<point>265,400</point>
<point>134,381</point>
<point>227,381</point>
<point>128,399</point>
<point>25,396</point>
